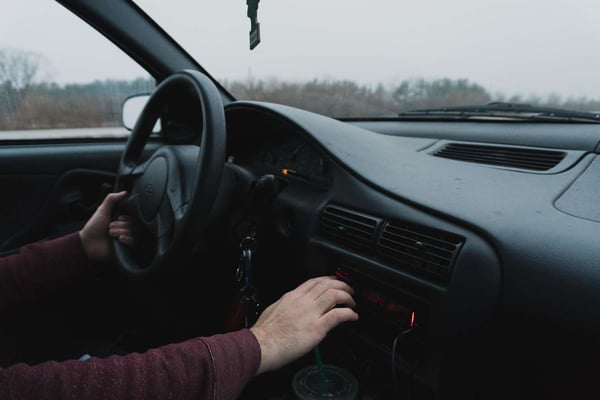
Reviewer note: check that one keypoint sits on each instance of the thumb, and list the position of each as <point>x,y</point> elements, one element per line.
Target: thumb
<point>110,201</point>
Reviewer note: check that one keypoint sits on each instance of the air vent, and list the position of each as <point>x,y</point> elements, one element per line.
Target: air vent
<point>514,157</point>
<point>349,228</point>
<point>429,251</point>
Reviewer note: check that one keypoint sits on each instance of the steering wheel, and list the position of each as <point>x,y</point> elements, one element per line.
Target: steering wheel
<point>172,193</point>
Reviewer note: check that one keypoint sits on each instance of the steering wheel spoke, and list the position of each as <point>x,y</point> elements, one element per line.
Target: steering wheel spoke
<point>162,227</point>
<point>182,177</point>
<point>125,170</point>
<point>128,171</point>
<point>139,169</point>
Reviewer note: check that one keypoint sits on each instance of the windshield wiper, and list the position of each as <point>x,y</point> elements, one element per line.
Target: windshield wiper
<point>503,110</point>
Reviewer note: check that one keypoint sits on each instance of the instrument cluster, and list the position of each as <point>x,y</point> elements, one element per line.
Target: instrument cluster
<point>290,157</point>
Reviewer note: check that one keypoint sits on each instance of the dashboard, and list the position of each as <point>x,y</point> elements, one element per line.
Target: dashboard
<point>447,255</point>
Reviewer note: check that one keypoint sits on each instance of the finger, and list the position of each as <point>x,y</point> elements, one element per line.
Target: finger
<point>306,285</point>
<point>336,316</point>
<point>323,285</point>
<point>116,232</point>
<point>313,283</point>
<point>125,218</point>
<point>120,225</point>
<point>334,297</point>
<point>111,200</point>
<point>127,240</point>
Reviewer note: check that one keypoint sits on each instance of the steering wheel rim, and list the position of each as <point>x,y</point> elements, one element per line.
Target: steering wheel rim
<point>172,192</point>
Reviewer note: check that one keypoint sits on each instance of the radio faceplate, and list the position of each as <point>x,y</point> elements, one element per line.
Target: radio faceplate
<point>390,343</point>
<point>385,310</point>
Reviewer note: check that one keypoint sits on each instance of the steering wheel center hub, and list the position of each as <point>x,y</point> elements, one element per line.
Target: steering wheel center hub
<point>150,188</point>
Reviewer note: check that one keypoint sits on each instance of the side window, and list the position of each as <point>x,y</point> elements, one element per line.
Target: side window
<point>59,78</point>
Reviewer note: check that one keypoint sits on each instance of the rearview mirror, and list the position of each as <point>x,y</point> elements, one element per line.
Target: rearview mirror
<point>132,109</point>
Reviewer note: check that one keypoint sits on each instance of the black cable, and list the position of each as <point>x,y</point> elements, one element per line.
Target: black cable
<point>399,337</point>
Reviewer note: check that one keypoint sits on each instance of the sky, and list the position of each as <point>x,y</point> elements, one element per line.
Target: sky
<point>511,47</point>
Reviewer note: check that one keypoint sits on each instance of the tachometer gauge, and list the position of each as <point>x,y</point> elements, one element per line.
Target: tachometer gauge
<point>304,162</point>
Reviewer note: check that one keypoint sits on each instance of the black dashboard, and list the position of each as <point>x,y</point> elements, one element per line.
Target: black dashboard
<point>456,236</point>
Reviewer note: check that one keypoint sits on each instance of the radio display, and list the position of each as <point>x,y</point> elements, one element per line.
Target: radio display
<point>381,303</point>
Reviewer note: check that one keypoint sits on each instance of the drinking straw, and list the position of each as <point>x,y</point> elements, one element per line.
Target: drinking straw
<point>324,385</point>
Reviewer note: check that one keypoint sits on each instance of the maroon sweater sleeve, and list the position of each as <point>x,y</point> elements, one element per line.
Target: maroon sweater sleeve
<point>216,367</point>
<point>40,268</point>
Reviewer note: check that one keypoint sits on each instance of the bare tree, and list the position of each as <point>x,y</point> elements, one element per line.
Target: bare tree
<point>18,71</point>
<point>18,68</point>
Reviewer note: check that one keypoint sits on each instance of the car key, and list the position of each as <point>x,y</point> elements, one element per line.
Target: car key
<point>247,246</point>
<point>248,291</point>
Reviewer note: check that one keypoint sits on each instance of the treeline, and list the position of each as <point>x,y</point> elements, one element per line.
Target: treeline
<point>50,105</point>
<point>26,105</point>
<point>350,99</point>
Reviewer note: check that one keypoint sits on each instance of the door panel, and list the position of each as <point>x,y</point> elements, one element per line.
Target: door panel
<point>52,189</point>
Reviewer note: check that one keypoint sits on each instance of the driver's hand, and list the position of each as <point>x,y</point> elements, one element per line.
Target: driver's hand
<point>122,230</point>
<point>95,234</point>
<point>300,319</point>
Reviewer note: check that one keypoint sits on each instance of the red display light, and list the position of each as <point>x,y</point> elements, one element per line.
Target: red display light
<point>343,275</point>
<point>394,310</point>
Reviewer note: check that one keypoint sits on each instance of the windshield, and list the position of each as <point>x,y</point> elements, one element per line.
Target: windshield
<point>377,58</point>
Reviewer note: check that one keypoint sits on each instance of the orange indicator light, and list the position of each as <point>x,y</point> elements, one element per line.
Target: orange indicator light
<point>286,171</point>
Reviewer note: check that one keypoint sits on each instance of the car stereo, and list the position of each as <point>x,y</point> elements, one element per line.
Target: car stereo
<point>385,309</point>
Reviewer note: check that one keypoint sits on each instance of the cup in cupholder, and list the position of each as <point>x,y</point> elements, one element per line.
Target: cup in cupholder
<point>332,383</point>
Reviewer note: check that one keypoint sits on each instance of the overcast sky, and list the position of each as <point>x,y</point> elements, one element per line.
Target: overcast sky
<point>510,46</point>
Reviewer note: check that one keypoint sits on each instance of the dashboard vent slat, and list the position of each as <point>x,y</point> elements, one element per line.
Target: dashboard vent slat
<point>426,250</point>
<point>515,157</point>
<point>349,228</point>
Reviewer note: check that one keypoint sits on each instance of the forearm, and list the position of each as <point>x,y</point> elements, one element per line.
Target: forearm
<point>40,268</point>
<point>217,367</point>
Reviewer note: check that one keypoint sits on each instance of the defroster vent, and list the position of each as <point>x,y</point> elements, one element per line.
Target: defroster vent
<point>349,228</point>
<point>426,250</point>
<point>504,156</point>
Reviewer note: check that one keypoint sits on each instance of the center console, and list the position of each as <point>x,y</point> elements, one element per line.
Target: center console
<point>388,348</point>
